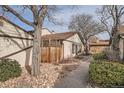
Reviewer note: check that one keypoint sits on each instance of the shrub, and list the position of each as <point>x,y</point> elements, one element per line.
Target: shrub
<point>106,74</point>
<point>100,56</point>
<point>9,69</point>
<point>111,55</point>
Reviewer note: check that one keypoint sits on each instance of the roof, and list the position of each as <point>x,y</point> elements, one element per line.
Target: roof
<point>5,19</point>
<point>100,43</point>
<point>103,40</point>
<point>58,36</point>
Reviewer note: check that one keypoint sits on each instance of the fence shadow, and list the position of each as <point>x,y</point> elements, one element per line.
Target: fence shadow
<point>22,43</point>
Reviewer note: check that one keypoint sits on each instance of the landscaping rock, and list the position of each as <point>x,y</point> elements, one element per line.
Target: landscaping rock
<point>50,73</point>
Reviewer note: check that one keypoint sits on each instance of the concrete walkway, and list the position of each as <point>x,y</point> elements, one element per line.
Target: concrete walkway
<point>75,79</point>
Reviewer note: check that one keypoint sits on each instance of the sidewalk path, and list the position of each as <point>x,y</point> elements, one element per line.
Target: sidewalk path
<point>75,79</point>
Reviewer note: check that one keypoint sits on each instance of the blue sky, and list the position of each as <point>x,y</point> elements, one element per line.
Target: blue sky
<point>63,15</point>
<point>66,13</point>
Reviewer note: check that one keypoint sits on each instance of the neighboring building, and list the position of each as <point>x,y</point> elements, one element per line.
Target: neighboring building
<point>60,46</point>
<point>45,31</point>
<point>102,44</point>
<point>93,39</point>
<point>97,45</point>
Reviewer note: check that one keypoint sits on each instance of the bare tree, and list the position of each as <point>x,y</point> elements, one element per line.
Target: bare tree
<point>110,17</point>
<point>86,26</point>
<point>38,13</point>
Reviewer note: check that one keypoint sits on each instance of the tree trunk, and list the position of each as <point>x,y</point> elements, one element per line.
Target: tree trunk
<point>86,48</point>
<point>36,59</point>
<point>115,47</point>
<point>115,37</point>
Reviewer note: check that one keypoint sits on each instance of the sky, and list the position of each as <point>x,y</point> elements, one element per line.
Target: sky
<point>62,15</point>
<point>65,15</point>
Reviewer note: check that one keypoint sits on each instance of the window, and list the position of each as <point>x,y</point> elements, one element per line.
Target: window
<point>76,50</point>
<point>79,49</point>
<point>73,48</point>
<point>45,43</point>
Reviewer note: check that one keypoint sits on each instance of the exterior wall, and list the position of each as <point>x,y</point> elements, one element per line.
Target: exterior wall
<point>97,49</point>
<point>45,31</point>
<point>121,43</point>
<point>68,45</point>
<point>10,45</point>
<point>82,48</point>
<point>67,49</point>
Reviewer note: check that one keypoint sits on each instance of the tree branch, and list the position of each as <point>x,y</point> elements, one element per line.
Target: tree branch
<point>43,12</point>
<point>121,12</point>
<point>14,12</point>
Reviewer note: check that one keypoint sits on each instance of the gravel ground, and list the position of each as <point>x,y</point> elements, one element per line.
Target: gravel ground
<point>50,73</point>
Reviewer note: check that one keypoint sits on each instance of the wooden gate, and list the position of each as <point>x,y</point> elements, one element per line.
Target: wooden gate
<point>51,54</point>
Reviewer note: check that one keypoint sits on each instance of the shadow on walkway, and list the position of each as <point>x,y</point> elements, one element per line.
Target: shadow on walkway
<point>75,79</point>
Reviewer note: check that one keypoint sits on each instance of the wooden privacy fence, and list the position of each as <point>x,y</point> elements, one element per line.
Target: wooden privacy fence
<point>51,54</point>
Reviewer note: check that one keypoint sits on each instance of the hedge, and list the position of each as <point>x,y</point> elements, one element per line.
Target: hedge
<point>100,56</point>
<point>106,74</point>
<point>9,69</point>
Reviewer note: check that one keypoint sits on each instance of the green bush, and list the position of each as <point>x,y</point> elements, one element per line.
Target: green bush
<point>9,69</point>
<point>106,74</point>
<point>100,56</point>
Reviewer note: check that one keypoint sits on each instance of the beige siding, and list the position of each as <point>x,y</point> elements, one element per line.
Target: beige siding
<point>67,49</point>
<point>24,58</point>
<point>68,45</point>
<point>11,30</point>
<point>45,31</point>
<point>75,38</point>
<point>12,45</point>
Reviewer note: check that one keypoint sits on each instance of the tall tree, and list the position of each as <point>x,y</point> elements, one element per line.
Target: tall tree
<point>110,17</point>
<point>38,13</point>
<point>86,27</point>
